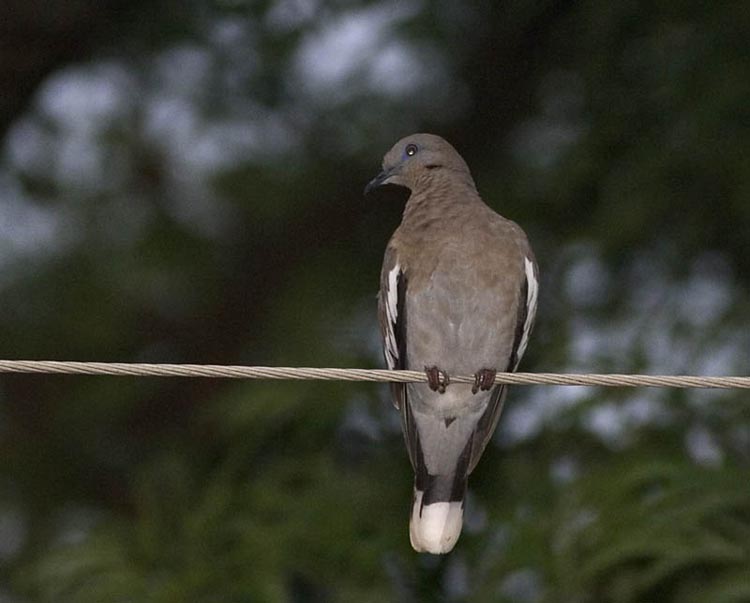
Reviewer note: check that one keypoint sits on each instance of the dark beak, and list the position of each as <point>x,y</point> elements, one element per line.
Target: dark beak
<point>377,181</point>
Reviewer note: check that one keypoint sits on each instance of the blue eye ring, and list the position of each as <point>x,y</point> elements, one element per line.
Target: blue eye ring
<point>411,150</point>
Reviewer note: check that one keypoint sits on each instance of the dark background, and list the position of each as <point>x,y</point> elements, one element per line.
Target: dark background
<point>181,182</point>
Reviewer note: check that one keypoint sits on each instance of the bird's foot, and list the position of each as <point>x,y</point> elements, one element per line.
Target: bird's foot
<point>484,379</point>
<point>437,380</point>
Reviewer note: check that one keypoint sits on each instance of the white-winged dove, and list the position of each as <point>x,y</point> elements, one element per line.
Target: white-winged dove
<point>458,295</point>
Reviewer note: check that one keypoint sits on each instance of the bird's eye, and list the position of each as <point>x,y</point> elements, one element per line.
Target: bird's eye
<point>410,150</point>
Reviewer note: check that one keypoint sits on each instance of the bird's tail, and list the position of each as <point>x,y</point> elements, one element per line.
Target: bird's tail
<point>436,520</point>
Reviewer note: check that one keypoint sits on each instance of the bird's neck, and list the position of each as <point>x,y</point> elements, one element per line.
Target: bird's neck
<point>441,198</point>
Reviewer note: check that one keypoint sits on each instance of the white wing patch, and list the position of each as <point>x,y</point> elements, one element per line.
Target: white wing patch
<point>532,292</point>
<point>391,313</point>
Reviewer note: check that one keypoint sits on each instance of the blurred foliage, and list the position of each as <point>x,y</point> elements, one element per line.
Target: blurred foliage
<point>182,183</point>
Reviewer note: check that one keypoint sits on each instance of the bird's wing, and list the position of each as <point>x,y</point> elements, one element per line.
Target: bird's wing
<point>392,316</point>
<point>526,312</point>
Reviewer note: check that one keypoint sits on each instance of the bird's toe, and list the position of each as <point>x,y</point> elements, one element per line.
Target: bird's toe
<point>437,380</point>
<point>484,379</point>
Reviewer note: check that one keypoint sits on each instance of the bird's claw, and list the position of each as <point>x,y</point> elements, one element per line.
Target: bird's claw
<point>484,379</point>
<point>437,380</point>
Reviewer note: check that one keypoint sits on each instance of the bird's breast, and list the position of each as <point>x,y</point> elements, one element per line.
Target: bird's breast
<point>462,318</point>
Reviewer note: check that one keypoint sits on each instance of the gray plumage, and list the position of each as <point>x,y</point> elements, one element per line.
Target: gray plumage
<point>458,295</point>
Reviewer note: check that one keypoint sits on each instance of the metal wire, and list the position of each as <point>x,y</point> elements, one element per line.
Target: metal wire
<point>354,374</point>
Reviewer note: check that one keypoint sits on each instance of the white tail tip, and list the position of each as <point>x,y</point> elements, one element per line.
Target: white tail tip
<point>437,528</point>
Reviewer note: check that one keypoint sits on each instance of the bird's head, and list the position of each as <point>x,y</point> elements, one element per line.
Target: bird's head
<point>412,158</point>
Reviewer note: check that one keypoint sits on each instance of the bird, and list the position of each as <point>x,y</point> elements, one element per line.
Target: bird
<point>458,296</point>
